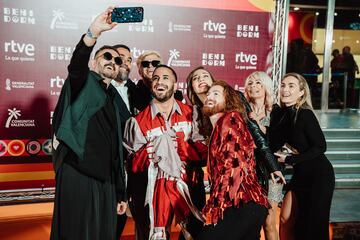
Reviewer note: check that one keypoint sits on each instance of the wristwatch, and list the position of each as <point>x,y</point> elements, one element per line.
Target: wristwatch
<point>91,35</point>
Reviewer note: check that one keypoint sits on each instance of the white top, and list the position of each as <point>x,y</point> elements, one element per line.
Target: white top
<point>123,91</point>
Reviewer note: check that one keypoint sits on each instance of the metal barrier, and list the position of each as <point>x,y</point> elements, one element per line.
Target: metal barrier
<point>337,74</point>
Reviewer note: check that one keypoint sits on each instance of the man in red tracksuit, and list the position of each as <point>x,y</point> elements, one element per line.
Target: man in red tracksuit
<point>160,139</point>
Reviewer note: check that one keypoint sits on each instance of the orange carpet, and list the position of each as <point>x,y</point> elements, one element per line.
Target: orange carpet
<point>33,221</point>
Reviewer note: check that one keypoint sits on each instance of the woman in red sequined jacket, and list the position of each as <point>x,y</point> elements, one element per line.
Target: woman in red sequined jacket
<point>237,206</point>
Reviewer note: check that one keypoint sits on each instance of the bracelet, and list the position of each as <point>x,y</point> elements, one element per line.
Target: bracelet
<point>91,35</point>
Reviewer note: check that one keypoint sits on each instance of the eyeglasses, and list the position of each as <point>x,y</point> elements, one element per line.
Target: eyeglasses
<point>146,64</point>
<point>108,56</point>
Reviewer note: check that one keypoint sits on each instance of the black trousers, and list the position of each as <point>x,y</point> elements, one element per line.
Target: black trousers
<point>313,184</point>
<point>120,225</point>
<point>198,197</point>
<point>140,213</point>
<point>243,223</point>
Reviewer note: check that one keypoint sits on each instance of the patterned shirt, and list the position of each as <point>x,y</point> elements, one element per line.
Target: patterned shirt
<point>231,168</point>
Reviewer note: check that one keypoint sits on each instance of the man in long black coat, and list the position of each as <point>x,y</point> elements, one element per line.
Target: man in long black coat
<point>87,143</point>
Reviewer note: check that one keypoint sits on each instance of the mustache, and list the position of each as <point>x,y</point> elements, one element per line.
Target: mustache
<point>161,85</point>
<point>209,101</point>
<point>110,64</point>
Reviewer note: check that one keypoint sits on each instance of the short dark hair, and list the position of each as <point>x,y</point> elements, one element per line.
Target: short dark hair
<point>103,48</point>
<point>121,46</point>
<point>166,66</point>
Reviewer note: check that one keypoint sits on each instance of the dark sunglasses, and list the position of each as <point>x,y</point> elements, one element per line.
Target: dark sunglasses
<point>108,56</point>
<point>146,64</point>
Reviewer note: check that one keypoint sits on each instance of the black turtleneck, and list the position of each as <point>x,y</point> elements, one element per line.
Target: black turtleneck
<point>301,130</point>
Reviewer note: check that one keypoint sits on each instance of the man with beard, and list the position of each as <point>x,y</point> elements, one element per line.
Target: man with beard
<point>146,63</point>
<point>236,208</point>
<point>160,139</point>
<point>129,102</point>
<point>134,98</point>
<point>87,143</point>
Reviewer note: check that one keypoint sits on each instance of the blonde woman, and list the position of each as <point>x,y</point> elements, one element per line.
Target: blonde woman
<point>259,94</point>
<point>307,201</point>
<point>146,63</point>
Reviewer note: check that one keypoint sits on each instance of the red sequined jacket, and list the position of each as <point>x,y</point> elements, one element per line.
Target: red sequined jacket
<point>231,168</point>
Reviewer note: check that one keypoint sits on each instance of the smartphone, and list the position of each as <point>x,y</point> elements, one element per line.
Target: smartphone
<point>278,179</point>
<point>127,14</point>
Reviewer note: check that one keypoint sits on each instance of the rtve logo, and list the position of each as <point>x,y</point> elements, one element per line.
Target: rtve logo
<point>57,82</point>
<point>246,58</point>
<point>136,52</point>
<point>14,47</point>
<point>215,27</point>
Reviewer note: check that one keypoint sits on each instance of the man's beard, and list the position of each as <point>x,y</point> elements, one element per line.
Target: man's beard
<point>106,74</point>
<point>164,96</point>
<point>209,111</point>
<point>123,75</point>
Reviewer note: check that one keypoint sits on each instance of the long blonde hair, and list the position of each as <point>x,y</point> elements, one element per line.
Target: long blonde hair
<point>305,100</point>
<point>266,83</point>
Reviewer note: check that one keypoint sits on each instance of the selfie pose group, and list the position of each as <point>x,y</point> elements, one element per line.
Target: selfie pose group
<point>121,148</point>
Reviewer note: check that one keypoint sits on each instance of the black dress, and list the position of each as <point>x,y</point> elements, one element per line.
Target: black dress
<point>313,180</point>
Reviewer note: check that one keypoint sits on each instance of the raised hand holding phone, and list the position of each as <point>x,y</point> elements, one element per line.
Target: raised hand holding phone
<point>100,24</point>
<point>103,22</point>
<point>127,14</point>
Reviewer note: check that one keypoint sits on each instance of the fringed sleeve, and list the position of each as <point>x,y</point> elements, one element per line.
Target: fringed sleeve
<point>232,167</point>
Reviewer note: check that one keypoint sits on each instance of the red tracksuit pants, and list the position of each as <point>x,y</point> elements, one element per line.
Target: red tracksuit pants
<point>167,201</point>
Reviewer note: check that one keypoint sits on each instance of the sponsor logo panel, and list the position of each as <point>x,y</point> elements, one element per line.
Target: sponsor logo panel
<point>175,60</point>
<point>19,51</point>
<point>47,147</point>
<point>182,86</point>
<point>136,52</point>
<point>16,147</point>
<point>247,31</point>
<point>175,27</point>
<point>14,121</point>
<point>18,16</point>
<point>33,147</point>
<point>3,148</point>
<point>214,30</point>
<point>25,147</point>
<point>246,61</point>
<point>11,85</point>
<point>60,53</point>
<point>213,59</point>
<point>145,26</point>
<point>60,21</point>
<point>56,84</point>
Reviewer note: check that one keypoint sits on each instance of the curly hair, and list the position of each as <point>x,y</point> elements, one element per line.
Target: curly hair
<point>233,102</point>
<point>232,99</point>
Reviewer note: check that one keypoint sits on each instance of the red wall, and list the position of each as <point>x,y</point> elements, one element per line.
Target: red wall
<point>231,38</point>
